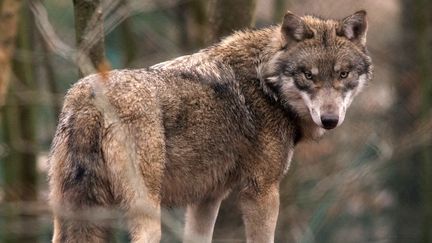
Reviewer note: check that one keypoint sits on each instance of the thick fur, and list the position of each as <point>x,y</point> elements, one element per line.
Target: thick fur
<point>190,130</point>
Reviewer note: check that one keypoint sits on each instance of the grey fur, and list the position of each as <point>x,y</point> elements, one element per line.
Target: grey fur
<point>190,130</point>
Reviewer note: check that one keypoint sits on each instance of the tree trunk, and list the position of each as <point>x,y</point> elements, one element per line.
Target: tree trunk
<point>226,16</point>
<point>279,9</point>
<point>191,22</point>
<point>9,16</point>
<point>423,35</point>
<point>89,33</point>
<point>127,36</point>
<point>412,180</point>
<point>19,165</point>
<point>22,117</point>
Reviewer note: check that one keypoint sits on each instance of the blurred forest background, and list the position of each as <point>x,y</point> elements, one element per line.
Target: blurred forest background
<point>368,181</point>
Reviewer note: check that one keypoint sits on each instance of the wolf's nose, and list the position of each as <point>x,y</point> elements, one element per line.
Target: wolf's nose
<point>329,121</point>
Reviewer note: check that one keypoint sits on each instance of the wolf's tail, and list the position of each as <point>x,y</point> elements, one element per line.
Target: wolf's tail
<point>81,188</point>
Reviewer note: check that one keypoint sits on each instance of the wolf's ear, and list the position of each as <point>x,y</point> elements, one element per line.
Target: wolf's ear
<point>294,29</point>
<point>354,27</point>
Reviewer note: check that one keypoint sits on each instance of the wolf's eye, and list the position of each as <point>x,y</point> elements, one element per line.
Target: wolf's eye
<point>307,74</point>
<point>343,75</point>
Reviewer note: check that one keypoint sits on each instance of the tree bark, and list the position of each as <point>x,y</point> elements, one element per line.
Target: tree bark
<point>89,33</point>
<point>23,139</point>
<point>226,16</point>
<point>192,23</point>
<point>279,9</point>
<point>412,177</point>
<point>423,35</point>
<point>18,122</point>
<point>9,18</point>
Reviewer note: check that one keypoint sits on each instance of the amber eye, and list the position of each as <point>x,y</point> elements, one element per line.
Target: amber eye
<point>307,74</point>
<point>343,75</point>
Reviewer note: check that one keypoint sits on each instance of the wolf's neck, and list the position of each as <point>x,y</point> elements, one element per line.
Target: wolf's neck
<point>246,51</point>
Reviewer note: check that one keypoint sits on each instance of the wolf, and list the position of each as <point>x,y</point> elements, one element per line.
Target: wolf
<point>189,131</point>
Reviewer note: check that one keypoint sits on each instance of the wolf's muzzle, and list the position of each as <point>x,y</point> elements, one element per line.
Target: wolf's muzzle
<point>329,121</point>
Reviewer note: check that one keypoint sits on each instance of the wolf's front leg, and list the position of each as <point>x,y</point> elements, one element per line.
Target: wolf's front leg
<point>200,221</point>
<point>260,212</point>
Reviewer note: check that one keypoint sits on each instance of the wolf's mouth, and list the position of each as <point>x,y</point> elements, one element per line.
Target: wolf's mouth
<point>329,127</point>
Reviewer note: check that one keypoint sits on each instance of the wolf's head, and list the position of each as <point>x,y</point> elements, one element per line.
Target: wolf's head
<point>321,66</point>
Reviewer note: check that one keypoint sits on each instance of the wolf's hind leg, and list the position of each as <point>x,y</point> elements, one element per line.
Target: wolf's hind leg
<point>75,231</point>
<point>144,222</point>
<point>135,152</point>
<point>80,187</point>
<point>200,220</point>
